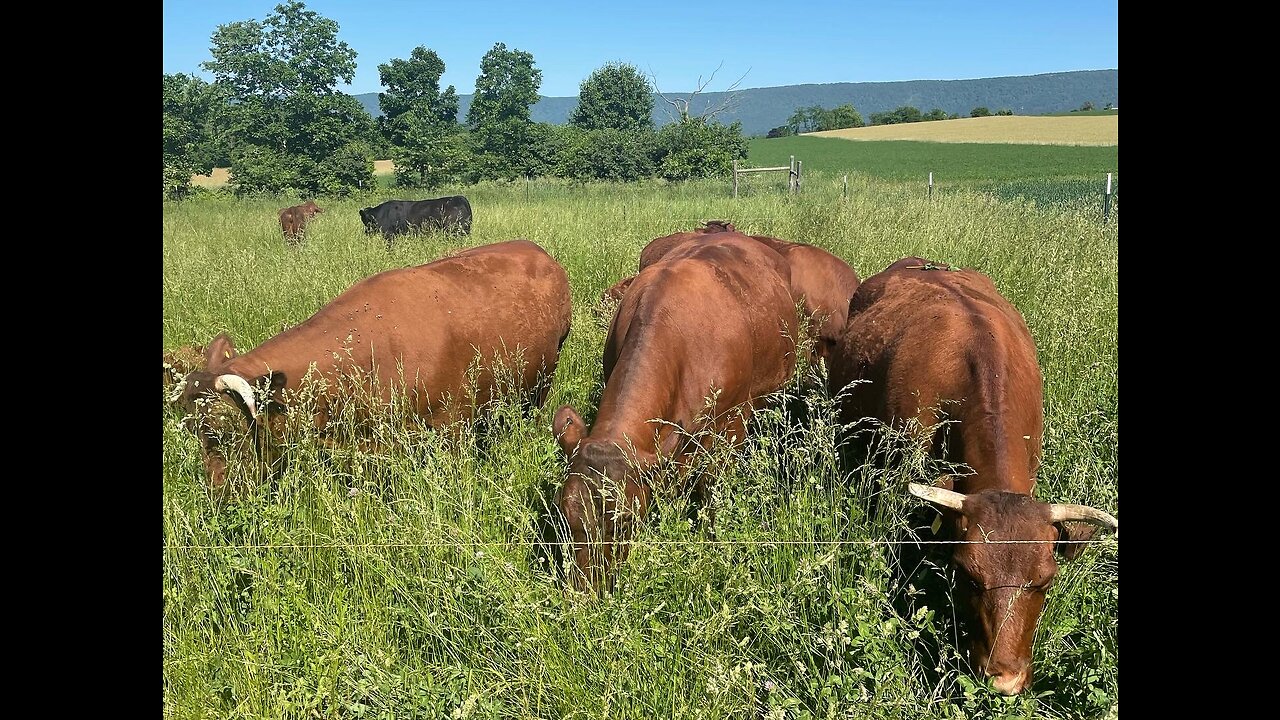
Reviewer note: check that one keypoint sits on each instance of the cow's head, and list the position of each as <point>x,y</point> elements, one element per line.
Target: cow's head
<point>369,219</point>
<point>1000,586</point>
<point>604,498</point>
<point>204,396</point>
<point>716,226</point>
<point>309,208</point>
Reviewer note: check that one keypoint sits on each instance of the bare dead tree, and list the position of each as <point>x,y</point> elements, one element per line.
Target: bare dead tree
<point>681,104</point>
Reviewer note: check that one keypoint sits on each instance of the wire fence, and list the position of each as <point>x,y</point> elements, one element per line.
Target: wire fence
<point>498,543</point>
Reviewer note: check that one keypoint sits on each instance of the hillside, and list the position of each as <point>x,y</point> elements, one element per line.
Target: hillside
<point>760,109</point>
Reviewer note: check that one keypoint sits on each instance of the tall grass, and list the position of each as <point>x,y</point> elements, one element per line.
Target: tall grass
<point>407,581</point>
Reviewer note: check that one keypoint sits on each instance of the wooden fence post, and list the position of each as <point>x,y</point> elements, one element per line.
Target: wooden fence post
<point>735,178</point>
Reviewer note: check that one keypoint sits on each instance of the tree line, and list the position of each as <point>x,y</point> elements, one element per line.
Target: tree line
<point>815,118</point>
<point>274,116</point>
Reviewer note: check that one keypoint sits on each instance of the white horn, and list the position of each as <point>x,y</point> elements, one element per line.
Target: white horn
<point>239,386</point>
<point>938,496</point>
<point>1083,513</point>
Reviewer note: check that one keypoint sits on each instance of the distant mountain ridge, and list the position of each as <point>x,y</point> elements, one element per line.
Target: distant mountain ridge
<point>761,109</point>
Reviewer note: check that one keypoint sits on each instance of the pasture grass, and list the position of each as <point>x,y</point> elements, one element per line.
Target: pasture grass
<point>408,580</point>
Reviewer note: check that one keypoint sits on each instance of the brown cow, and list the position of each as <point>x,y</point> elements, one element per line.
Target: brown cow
<point>710,319</point>
<point>929,341</point>
<point>658,247</point>
<point>293,220</point>
<point>820,280</point>
<point>413,330</point>
<point>177,363</point>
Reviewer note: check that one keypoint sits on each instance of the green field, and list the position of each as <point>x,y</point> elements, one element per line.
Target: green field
<point>408,583</point>
<point>1047,173</point>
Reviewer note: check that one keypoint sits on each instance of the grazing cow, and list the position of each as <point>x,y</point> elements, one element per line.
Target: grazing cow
<point>177,363</point>
<point>929,341</point>
<point>293,220</point>
<point>397,217</point>
<point>414,330</point>
<point>820,280</point>
<point>615,291</point>
<point>659,247</point>
<point>712,319</point>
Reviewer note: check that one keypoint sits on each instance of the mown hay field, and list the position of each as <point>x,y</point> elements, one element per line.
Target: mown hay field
<point>1015,129</point>
<point>409,583</point>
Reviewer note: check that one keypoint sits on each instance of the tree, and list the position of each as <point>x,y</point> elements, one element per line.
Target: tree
<point>1087,106</point>
<point>191,111</point>
<point>290,128</point>
<point>683,105</point>
<point>935,114</point>
<point>808,119</point>
<point>781,131</point>
<point>419,120</point>
<point>1004,111</point>
<point>980,112</point>
<point>842,116</point>
<point>499,116</point>
<point>413,86</point>
<point>902,114</point>
<point>615,96</point>
<point>699,147</point>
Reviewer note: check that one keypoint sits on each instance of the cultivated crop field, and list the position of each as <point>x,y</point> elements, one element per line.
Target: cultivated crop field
<point>411,581</point>
<point>1074,129</point>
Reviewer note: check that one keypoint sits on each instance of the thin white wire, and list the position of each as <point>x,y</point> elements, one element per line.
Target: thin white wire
<point>493,543</point>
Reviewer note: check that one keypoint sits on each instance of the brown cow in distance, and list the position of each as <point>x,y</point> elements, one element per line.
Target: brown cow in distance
<point>293,220</point>
<point>820,280</point>
<point>931,343</point>
<point>711,319</point>
<point>413,330</point>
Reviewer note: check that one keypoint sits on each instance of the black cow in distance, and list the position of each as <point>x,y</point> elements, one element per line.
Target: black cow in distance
<point>397,217</point>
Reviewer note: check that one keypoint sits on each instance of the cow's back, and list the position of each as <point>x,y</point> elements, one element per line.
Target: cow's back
<point>509,299</point>
<point>824,282</point>
<point>714,314</point>
<point>930,340</point>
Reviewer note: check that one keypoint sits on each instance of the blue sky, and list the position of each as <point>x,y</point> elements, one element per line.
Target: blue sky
<point>765,43</point>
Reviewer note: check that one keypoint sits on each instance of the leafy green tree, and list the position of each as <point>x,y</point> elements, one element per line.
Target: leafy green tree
<point>499,117</point>
<point>1087,106</point>
<point>608,154</point>
<point>842,116</point>
<point>781,131</point>
<point>191,111</point>
<point>902,114</point>
<point>698,147</point>
<point>290,128</point>
<point>1004,111</point>
<point>935,114</point>
<point>980,112</point>
<point>419,120</point>
<point>616,96</point>
<point>808,119</point>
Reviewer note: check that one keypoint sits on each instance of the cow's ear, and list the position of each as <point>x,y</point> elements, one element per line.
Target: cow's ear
<point>1076,532</point>
<point>568,429</point>
<point>220,350</point>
